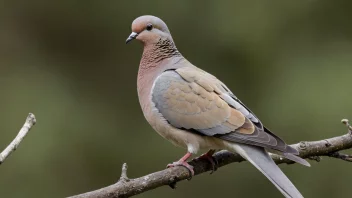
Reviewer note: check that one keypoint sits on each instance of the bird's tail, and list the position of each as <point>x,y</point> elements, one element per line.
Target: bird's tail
<point>263,162</point>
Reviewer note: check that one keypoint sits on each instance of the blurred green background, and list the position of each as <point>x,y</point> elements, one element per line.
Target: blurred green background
<point>67,62</point>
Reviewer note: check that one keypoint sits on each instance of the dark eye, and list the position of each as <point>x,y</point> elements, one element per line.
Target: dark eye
<point>149,27</point>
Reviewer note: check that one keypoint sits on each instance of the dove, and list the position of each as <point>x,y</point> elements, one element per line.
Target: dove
<point>195,110</point>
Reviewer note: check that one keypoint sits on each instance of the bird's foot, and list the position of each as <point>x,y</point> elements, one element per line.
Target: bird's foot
<point>184,164</point>
<point>209,157</point>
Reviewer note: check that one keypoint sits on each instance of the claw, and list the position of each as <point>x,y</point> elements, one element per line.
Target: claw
<point>184,164</point>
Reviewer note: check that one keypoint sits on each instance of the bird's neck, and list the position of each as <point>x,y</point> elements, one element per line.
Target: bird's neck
<point>154,53</point>
<point>156,58</point>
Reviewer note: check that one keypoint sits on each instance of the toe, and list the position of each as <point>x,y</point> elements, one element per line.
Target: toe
<point>184,164</point>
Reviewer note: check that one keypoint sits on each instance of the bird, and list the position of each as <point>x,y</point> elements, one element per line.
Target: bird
<point>195,110</point>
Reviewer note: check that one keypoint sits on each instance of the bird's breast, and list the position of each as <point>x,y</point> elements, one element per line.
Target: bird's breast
<point>145,82</point>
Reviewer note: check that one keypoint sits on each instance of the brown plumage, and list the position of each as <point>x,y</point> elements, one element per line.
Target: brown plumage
<point>193,109</point>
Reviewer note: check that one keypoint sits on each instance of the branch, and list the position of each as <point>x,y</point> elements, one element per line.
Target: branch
<point>30,121</point>
<point>126,187</point>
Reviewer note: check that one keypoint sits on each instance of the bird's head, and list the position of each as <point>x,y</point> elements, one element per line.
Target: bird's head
<point>149,30</point>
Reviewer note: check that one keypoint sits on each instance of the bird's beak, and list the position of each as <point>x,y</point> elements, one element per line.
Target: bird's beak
<point>132,36</point>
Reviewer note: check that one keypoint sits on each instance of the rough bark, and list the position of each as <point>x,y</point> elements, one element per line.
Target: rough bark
<point>126,187</point>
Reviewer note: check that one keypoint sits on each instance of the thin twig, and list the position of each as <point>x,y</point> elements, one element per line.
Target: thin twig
<point>341,156</point>
<point>30,121</point>
<point>124,177</point>
<point>347,123</point>
<point>309,150</point>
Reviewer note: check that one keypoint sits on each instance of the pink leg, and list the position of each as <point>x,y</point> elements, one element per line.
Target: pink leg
<point>183,162</point>
<point>209,157</point>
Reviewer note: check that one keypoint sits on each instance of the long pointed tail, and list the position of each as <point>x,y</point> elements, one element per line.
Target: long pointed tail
<point>263,162</point>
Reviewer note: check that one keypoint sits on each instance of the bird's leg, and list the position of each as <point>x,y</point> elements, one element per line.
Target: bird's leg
<point>183,162</point>
<point>209,157</point>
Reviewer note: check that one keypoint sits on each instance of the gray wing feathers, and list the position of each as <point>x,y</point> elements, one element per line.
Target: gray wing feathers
<point>296,159</point>
<point>231,101</point>
<point>263,162</point>
<point>221,129</point>
<point>189,106</point>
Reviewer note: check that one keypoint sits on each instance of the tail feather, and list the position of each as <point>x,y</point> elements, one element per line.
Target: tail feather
<point>263,162</point>
<point>291,157</point>
<point>296,159</point>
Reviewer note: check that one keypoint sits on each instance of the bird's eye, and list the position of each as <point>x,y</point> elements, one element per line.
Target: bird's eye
<point>149,27</point>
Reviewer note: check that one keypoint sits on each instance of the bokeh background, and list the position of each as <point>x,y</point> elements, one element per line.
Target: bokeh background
<point>67,62</point>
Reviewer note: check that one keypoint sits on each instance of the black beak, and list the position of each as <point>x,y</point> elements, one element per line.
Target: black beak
<point>132,36</point>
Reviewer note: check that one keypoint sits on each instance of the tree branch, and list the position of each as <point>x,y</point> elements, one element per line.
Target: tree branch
<point>126,187</point>
<point>30,121</point>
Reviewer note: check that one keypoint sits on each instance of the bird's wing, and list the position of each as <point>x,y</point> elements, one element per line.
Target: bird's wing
<point>192,99</point>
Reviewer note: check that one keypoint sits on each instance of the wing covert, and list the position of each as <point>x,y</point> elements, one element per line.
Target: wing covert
<point>191,99</point>
<point>188,105</point>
